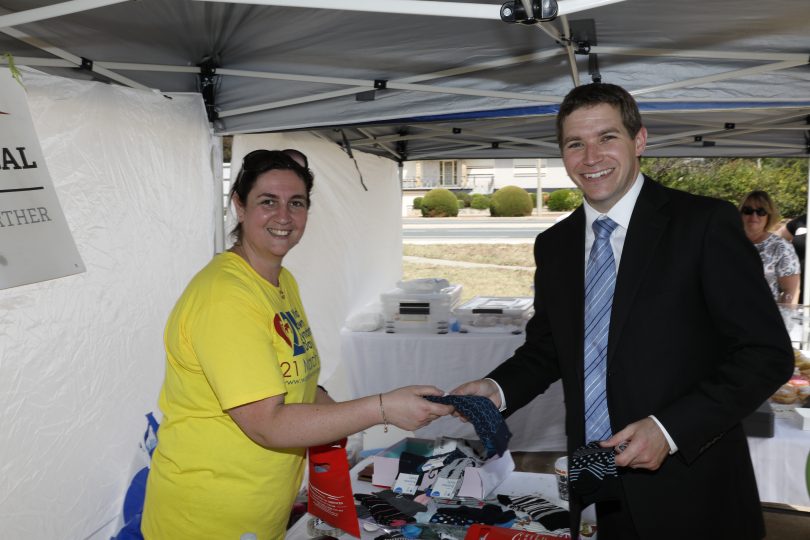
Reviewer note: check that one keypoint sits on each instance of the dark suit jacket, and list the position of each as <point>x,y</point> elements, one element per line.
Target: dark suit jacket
<point>695,339</point>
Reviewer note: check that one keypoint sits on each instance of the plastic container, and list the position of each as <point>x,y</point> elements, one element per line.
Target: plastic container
<point>491,311</point>
<point>411,311</point>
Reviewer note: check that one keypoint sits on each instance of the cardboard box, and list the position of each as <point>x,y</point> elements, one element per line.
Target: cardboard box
<point>478,482</point>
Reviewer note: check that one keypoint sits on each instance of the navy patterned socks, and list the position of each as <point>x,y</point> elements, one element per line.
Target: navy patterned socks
<point>486,419</point>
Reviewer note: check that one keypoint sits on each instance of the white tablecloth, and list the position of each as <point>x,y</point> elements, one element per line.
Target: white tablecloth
<point>780,463</point>
<point>378,362</point>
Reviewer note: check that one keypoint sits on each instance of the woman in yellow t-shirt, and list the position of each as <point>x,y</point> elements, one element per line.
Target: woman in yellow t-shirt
<point>240,399</point>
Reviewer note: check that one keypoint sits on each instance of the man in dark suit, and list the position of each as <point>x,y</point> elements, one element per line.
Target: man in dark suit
<point>692,341</point>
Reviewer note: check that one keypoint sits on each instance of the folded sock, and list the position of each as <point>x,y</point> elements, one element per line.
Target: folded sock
<point>402,502</point>
<point>382,512</point>
<point>549,515</point>
<point>489,514</point>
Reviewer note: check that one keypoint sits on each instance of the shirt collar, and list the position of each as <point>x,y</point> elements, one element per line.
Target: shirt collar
<point>621,211</point>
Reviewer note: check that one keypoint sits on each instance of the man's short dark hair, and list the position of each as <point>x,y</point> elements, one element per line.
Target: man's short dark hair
<point>589,95</point>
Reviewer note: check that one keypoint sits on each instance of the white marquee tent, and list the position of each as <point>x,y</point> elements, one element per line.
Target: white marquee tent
<point>435,79</point>
<point>81,357</point>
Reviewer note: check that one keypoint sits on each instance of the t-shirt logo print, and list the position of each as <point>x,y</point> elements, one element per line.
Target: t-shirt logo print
<point>286,328</point>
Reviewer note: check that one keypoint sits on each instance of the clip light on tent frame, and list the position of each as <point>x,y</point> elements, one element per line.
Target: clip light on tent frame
<point>532,9</point>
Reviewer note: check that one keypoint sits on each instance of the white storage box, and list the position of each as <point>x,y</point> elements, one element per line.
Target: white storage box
<point>409,311</point>
<point>495,311</point>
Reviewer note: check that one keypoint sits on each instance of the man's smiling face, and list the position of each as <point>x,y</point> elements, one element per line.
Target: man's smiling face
<point>600,156</point>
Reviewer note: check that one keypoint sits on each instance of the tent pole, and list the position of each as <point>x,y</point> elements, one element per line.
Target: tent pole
<point>219,200</point>
<point>539,167</point>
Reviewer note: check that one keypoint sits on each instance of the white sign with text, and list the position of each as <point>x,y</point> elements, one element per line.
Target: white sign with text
<point>35,241</point>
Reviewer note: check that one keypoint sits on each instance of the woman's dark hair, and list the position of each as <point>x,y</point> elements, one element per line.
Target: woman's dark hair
<point>255,163</point>
<point>589,95</point>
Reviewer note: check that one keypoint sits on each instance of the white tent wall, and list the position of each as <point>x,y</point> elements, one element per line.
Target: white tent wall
<point>352,248</point>
<point>81,357</point>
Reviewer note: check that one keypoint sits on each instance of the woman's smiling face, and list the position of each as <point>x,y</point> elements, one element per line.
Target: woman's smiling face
<point>275,214</point>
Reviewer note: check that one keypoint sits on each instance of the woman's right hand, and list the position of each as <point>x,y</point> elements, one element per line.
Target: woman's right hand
<point>407,409</point>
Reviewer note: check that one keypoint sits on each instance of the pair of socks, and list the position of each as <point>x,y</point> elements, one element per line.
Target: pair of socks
<point>486,419</point>
<point>404,503</point>
<point>592,473</point>
<point>489,514</point>
<point>382,511</point>
<point>549,515</point>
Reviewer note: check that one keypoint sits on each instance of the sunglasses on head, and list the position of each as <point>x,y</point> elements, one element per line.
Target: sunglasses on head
<point>258,160</point>
<point>747,210</point>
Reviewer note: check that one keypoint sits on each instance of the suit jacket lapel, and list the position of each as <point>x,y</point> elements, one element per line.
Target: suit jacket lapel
<point>569,273</point>
<point>647,225</point>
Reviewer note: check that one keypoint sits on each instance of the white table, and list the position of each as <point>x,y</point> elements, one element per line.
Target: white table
<point>780,463</point>
<point>378,362</point>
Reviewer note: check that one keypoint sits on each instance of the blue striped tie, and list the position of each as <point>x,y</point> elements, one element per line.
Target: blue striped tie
<point>600,280</point>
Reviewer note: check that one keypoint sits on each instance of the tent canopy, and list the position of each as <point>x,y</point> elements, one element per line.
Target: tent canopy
<point>720,78</point>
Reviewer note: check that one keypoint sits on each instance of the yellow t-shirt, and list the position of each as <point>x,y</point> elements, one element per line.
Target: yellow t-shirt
<point>231,339</point>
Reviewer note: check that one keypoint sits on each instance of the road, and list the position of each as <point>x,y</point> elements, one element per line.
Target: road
<point>484,230</point>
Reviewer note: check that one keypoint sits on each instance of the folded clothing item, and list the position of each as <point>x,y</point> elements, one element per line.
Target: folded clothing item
<point>383,512</point>
<point>402,502</point>
<point>549,515</point>
<point>489,514</point>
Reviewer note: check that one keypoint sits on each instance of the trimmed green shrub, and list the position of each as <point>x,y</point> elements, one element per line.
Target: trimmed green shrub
<point>479,201</point>
<point>563,200</point>
<point>439,202</point>
<point>534,199</point>
<point>464,199</point>
<point>511,201</point>
<point>417,203</point>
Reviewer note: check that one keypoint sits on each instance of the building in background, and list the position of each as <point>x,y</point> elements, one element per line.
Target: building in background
<point>481,176</point>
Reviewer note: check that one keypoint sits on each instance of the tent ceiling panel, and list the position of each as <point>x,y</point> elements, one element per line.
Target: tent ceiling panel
<point>695,66</point>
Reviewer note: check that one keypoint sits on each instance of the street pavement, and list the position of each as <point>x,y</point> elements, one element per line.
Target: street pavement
<point>475,229</point>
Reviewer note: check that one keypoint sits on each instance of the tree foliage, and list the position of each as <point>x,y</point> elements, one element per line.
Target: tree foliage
<point>785,179</point>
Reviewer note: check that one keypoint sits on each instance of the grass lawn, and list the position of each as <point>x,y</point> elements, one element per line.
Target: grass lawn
<point>476,281</point>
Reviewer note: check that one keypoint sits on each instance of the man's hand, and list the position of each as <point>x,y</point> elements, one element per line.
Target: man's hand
<point>646,446</point>
<point>482,387</point>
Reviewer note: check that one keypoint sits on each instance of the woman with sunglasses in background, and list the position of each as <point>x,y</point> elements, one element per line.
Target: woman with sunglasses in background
<point>779,259</point>
<point>240,399</point>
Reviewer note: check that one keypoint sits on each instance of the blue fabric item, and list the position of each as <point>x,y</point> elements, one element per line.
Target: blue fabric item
<point>600,282</point>
<point>486,419</point>
<point>136,492</point>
